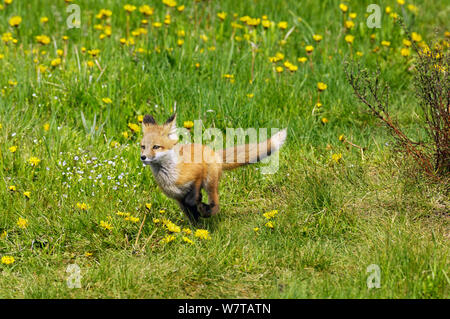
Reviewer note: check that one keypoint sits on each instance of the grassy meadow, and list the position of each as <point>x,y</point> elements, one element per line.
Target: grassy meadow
<point>74,191</point>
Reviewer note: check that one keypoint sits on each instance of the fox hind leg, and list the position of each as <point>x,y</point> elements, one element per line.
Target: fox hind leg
<point>207,210</point>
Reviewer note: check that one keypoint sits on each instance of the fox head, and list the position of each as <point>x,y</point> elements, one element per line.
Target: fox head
<point>158,140</point>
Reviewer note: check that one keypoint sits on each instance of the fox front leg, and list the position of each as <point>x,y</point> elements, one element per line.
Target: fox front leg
<point>190,211</point>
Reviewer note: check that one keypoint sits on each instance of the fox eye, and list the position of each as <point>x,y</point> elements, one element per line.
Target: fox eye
<point>155,147</point>
<point>143,147</point>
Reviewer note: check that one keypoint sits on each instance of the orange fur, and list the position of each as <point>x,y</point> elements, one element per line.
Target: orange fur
<point>181,175</point>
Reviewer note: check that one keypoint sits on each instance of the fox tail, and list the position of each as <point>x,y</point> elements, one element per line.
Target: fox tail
<point>251,153</point>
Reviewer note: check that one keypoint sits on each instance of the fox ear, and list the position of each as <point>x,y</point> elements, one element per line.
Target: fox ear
<point>148,120</point>
<point>172,127</point>
<point>171,119</point>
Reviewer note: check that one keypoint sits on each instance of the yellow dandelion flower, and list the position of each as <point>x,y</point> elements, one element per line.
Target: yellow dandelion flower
<point>336,157</point>
<point>406,43</point>
<point>266,24</point>
<point>134,127</point>
<point>55,62</point>
<point>222,15</point>
<point>405,52</point>
<point>187,240</point>
<point>283,25</point>
<point>343,7</point>
<point>114,144</point>
<point>146,10</point>
<point>309,48</point>
<point>13,149</point>
<point>42,68</point>
<point>83,206</point>
<point>43,39</point>
<point>169,3</point>
<point>7,260</point>
<point>94,52</point>
<point>123,214</point>
<point>416,37</point>
<point>129,8</point>
<point>171,227</point>
<point>349,38</point>
<point>321,86</point>
<point>349,24</point>
<point>187,231</point>
<point>132,219</point>
<point>317,37</point>
<point>34,161</point>
<point>394,15</point>
<point>269,225</point>
<point>22,223</point>
<point>15,21</point>
<point>106,100</point>
<point>27,194</point>
<point>105,225</point>
<point>413,8</point>
<point>168,239</point>
<point>202,234</point>
<point>188,124</point>
<point>271,214</point>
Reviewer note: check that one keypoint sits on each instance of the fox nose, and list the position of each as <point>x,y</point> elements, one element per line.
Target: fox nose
<point>143,157</point>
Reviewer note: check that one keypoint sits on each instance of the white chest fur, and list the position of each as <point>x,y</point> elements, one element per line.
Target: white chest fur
<point>166,174</point>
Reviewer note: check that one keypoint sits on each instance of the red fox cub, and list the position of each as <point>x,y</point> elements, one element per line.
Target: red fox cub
<point>183,179</point>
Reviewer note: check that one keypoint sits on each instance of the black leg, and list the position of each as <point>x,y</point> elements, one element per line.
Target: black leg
<point>190,211</point>
<point>193,197</point>
<point>205,210</point>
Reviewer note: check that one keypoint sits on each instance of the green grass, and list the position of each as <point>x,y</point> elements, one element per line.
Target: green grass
<point>335,218</point>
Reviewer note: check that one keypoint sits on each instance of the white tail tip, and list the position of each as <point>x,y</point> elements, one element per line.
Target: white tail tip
<point>278,139</point>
